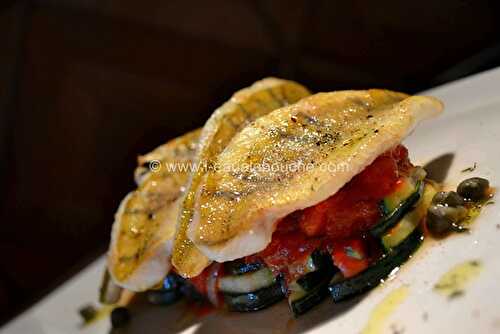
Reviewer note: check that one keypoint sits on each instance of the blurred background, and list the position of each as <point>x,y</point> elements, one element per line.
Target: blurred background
<point>86,85</point>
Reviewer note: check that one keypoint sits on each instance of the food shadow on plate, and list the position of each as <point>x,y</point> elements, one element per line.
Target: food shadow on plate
<point>438,168</point>
<point>182,315</point>
<point>277,319</point>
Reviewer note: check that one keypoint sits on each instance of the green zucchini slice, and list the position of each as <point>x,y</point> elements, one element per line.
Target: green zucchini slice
<point>310,289</point>
<point>257,300</point>
<point>382,268</point>
<point>401,209</point>
<point>235,284</point>
<point>301,300</point>
<point>240,267</point>
<point>410,221</point>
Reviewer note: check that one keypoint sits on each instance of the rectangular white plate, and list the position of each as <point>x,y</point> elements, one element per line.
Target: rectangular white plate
<point>470,130</point>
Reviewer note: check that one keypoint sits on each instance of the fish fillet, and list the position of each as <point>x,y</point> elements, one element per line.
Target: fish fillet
<point>244,107</point>
<point>316,146</point>
<point>144,227</point>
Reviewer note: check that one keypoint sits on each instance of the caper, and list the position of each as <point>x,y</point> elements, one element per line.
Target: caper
<point>163,297</point>
<point>448,198</point>
<point>88,313</point>
<point>474,188</point>
<point>443,219</point>
<point>120,316</point>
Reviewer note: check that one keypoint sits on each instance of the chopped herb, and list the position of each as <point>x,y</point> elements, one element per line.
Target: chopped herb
<point>470,169</point>
<point>456,294</point>
<point>88,313</point>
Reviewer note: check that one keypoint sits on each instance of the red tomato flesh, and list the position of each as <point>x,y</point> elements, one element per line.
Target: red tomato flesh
<point>200,281</point>
<point>350,256</point>
<point>339,220</point>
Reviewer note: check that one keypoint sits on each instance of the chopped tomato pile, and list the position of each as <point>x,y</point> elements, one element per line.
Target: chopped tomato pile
<point>337,224</point>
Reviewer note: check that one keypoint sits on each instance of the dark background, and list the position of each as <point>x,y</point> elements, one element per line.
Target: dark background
<point>86,85</point>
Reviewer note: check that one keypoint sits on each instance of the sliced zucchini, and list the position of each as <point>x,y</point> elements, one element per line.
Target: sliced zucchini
<point>236,284</point>
<point>309,290</point>
<point>301,300</point>
<point>395,199</point>
<point>168,293</point>
<point>400,210</point>
<point>257,300</point>
<point>163,297</point>
<point>410,221</point>
<point>319,265</point>
<point>172,282</point>
<point>372,276</point>
<point>240,267</point>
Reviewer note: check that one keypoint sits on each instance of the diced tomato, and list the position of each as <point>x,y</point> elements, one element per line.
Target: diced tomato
<point>312,221</point>
<point>350,256</point>
<point>352,220</point>
<point>289,249</point>
<point>200,281</point>
<point>346,215</point>
<point>354,208</point>
<point>375,181</point>
<point>400,154</point>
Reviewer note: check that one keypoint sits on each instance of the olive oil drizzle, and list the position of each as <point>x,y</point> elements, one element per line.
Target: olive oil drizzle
<point>453,282</point>
<point>384,309</point>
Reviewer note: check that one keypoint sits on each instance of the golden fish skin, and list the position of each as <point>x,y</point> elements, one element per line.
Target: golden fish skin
<point>244,107</point>
<point>334,136</point>
<point>183,149</point>
<point>144,227</point>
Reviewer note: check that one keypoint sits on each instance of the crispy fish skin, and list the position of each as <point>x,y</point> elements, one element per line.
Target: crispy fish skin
<point>144,228</point>
<point>244,107</point>
<point>180,148</point>
<point>336,135</point>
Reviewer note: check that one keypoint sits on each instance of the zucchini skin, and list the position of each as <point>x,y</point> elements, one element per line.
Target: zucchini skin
<point>253,281</point>
<point>241,268</point>
<point>170,292</point>
<point>390,221</point>
<point>312,297</point>
<point>372,276</point>
<point>172,282</point>
<point>163,297</point>
<point>257,300</point>
<point>323,267</point>
<point>313,286</point>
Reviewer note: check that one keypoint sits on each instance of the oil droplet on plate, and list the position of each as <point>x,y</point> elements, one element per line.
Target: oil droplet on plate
<point>453,282</point>
<point>384,309</point>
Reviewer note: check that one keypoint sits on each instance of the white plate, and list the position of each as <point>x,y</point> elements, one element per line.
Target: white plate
<point>470,130</point>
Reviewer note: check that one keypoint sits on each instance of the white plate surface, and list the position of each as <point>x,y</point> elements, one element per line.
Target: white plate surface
<point>470,131</point>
